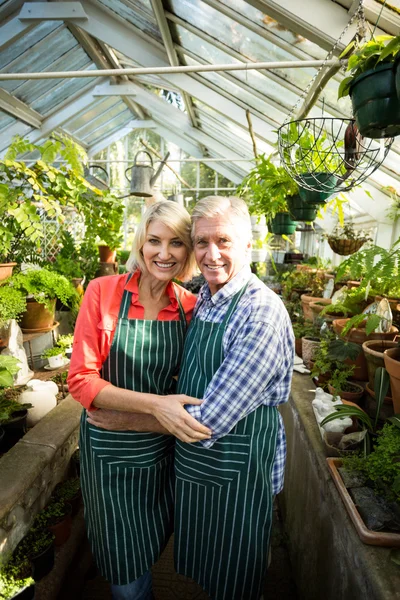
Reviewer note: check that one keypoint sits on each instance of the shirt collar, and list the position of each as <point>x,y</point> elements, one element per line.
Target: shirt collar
<point>229,289</point>
<point>133,286</point>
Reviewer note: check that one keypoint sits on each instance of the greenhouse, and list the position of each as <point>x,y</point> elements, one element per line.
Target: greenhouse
<point>200,299</point>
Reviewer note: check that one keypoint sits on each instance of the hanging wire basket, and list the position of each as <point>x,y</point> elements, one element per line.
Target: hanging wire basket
<point>328,155</point>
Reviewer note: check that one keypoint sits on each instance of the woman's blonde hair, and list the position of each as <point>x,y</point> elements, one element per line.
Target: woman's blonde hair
<point>177,219</point>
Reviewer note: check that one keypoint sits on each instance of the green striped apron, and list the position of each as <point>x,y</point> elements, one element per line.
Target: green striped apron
<point>128,477</point>
<point>223,505</point>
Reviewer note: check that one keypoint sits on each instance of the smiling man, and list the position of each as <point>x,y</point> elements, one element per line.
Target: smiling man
<point>238,358</point>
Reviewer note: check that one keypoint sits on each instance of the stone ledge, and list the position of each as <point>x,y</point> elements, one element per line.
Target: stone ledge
<point>328,558</point>
<point>32,468</point>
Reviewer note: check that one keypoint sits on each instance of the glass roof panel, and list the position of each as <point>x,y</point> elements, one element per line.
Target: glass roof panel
<point>110,127</point>
<point>237,37</point>
<point>255,79</point>
<point>5,120</point>
<point>58,94</point>
<point>273,27</point>
<point>235,91</point>
<point>103,118</point>
<point>28,40</point>
<point>87,116</point>
<point>137,14</point>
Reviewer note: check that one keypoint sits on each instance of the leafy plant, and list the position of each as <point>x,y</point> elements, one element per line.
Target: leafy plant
<point>55,351</point>
<point>12,303</point>
<point>347,232</point>
<point>35,542</point>
<point>9,406</point>
<point>68,261</point>
<point>14,576</point>
<point>65,341</point>
<point>370,322</point>
<point>54,512</point>
<point>67,490</point>
<point>331,354</point>
<point>266,188</point>
<point>9,366</point>
<point>383,464</point>
<point>380,49</point>
<point>304,328</point>
<point>339,379</point>
<point>45,286</point>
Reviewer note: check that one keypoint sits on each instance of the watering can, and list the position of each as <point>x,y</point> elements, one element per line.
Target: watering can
<point>143,176</point>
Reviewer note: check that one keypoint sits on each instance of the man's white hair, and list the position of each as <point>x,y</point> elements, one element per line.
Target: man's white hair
<point>213,206</point>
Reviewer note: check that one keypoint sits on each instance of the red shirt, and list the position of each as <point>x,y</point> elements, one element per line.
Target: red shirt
<point>96,324</point>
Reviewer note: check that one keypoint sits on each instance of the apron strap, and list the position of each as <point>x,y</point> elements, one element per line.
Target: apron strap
<point>127,299</point>
<point>233,304</point>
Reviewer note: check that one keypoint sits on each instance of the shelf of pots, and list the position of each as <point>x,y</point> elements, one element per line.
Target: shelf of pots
<point>42,289</point>
<point>371,85</point>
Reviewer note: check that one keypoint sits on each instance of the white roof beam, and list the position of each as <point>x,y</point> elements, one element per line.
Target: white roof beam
<point>320,21</point>
<point>389,20</point>
<point>50,11</point>
<point>125,38</point>
<point>18,109</point>
<point>158,10</point>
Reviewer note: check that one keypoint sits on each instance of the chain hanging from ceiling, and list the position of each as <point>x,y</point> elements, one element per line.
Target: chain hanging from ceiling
<point>326,154</point>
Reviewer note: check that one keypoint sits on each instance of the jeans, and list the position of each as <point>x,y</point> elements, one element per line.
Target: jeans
<point>140,589</point>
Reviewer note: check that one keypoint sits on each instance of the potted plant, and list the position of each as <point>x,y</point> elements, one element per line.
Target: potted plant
<point>12,305</point>
<point>69,492</point>
<point>316,287</point>
<point>371,85</point>
<point>12,420</point>
<point>57,518</point>
<point>37,547</point>
<point>344,240</point>
<point>65,343</point>
<point>374,355</point>
<point>339,384</point>
<point>55,357</point>
<point>16,581</point>
<point>42,288</point>
<point>302,328</point>
<point>295,283</point>
<point>331,356</point>
<point>392,365</point>
<point>266,188</point>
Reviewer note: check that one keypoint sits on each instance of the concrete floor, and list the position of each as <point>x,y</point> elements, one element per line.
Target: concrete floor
<point>170,586</point>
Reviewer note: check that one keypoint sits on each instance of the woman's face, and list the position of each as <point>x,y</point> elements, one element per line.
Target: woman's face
<point>164,254</point>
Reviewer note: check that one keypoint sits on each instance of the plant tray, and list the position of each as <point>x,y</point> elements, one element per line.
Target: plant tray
<point>373,538</point>
<point>41,329</point>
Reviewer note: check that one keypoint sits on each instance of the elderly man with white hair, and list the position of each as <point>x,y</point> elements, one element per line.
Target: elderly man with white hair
<point>238,358</point>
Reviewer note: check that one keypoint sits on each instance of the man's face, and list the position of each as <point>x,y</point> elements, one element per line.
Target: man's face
<point>219,249</point>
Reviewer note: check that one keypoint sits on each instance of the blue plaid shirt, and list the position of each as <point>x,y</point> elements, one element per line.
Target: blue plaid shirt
<point>257,368</point>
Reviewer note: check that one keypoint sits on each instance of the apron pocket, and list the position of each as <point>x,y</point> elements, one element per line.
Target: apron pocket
<point>131,449</point>
<point>216,466</point>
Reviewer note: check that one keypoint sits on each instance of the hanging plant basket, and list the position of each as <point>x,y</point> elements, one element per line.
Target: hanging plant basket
<point>324,181</point>
<point>300,210</point>
<point>282,224</point>
<point>375,103</point>
<point>328,155</point>
<point>345,247</point>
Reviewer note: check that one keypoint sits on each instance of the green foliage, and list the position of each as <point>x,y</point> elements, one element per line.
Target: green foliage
<point>340,350</point>
<point>330,357</point>
<point>383,464</point>
<point>381,387</point>
<point>311,281</point>
<point>65,341</point>
<point>340,376</point>
<point>312,155</point>
<point>34,543</point>
<point>68,261</point>
<point>67,490</point>
<point>54,512</point>
<point>9,406</point>
<point>342,411</point>
<point>370,322</point>
<point>266,188</point>
<point>9,366</point>
<point>380,49</point>
<point>13,578</point>
<point>12,303</point>
<point>45,286</point>
<point>304,328</point>
<point>347,232</point>
<point>55,351</point>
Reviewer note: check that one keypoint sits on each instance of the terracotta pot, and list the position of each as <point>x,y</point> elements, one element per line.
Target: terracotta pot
<point>298,347</point>
<point>370,406</point>
<point>309,347</point>
<point>62,529</point>
<point>354,427</point>
<point>352,397</point>
<point>37,316</point>
<point>6,270</point>
<point>392,364</point>
<point>373,351</point>
<point>318,306</point>
<point>358,336</point>
<point>352,284</point>
<point>305,304</point>
<point>371,392</point>
<point>106,254</point>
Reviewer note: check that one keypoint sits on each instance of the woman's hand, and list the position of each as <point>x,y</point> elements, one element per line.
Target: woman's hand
<point>170,412</point>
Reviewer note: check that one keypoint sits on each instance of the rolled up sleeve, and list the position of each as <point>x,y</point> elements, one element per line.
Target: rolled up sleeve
<point>84,380</point>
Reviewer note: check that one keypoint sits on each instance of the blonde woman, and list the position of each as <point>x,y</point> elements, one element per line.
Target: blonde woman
<point>128,345</point>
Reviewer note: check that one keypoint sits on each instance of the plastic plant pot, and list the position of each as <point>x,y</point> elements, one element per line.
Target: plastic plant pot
<point>325,181</point>
<point>56,361</point>
<point>282,224</point>
<point>375,103</point>
<point>300,210</point>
